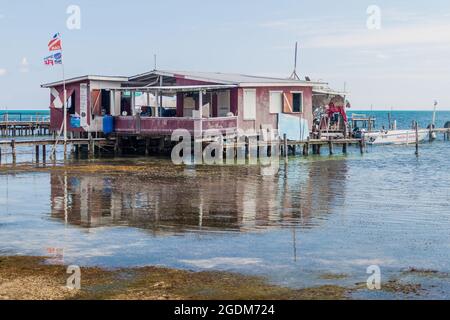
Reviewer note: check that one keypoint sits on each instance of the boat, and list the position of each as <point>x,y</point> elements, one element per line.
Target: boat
<point>364,129</point>
<point>395,136</point>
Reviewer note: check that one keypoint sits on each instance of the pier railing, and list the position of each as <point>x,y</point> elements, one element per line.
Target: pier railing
<point>15,128</point>
<point>20,117</point>
<point>152,125</point>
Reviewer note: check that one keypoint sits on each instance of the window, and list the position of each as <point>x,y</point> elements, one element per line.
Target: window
<point>249,104</point>
<point>276,101</point>
<point>223,103</point>
<point>106,102</point>
<point>71,104</point>
<point>297,102</point>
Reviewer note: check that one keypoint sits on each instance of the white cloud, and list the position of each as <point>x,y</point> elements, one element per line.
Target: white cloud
<point>399,28</point>
<point>382,56</point>
<point>426,34</point>
<point>401,15</point>
<point>2,72</point>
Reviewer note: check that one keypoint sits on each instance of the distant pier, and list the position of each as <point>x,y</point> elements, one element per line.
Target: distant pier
<point>42,147</point>
<point>24,128</point>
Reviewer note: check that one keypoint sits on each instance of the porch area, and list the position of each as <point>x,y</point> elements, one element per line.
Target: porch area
<point>161,110</point>
<point>166,125</point>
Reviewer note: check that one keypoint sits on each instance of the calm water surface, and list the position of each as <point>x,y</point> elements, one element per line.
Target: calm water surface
<point>318,215</point>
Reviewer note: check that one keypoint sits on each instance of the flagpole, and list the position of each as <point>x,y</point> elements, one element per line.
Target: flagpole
<point>65,99</point>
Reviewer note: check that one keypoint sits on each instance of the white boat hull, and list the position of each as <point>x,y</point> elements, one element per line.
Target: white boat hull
<point>395,137</point>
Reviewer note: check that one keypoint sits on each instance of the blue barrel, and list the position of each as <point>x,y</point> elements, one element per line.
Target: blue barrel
<point>108,124</point>
<point>74,121</point>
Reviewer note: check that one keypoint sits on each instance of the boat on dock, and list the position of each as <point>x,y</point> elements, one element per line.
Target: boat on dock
<point>364,128</point>
<point>395,136</point>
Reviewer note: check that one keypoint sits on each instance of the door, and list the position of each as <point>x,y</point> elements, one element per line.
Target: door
<point>223,103</point>
<point>83,105</point>
<point>96,102</point>
<point>249,104</point>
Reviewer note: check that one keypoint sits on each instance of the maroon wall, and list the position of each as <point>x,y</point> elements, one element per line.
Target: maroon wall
<point>56,115</point>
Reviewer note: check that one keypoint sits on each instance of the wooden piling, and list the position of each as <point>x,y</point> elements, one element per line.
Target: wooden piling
<point>344,146</point>
<point>285,147</point>
<point>91,147</point>
<point>161,144</point>
<point>44,153</point>
<point>13,149</point>
<point>147,146</point>
<point>37,153</point>
<point>247,148</point>
<point>417,138</point>
<point>330,147</point>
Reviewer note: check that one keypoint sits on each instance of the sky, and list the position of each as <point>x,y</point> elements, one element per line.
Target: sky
<point>387,54</point>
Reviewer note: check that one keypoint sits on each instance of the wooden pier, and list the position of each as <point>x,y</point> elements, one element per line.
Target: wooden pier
<point>42,144</point>
<point>315,146</point>
<point>115,145</point>
<point>24,128</point>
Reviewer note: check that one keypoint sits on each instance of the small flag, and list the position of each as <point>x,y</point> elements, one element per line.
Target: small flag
<point>55,43</point>
<point>58,58</point>
<point>49,61</point>
<point>53,59</point>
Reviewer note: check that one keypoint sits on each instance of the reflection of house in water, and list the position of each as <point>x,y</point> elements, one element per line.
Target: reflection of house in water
<point>215,198</point>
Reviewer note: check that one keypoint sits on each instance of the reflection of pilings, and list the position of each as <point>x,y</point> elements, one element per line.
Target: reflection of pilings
<point>13,148</point>
<point>66,217</point>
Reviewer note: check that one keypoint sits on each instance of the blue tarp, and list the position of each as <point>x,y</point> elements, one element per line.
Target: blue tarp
<point>295,128</point>
<point>74,121</point>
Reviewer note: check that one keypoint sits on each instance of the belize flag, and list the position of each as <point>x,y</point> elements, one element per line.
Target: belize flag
<point>55,43</point>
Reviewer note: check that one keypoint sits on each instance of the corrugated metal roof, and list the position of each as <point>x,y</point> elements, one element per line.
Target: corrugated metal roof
<point>226,78</point>
<point>329,91</point>
<point>86,78</point>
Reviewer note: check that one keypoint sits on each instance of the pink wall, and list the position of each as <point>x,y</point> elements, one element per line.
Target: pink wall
<point>263,115</point>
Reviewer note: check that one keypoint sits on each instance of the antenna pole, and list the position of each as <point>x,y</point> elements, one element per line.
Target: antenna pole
<point>434,113</point>
<point>296,53</point>
<point>154,56</point>
<point>294,75</point>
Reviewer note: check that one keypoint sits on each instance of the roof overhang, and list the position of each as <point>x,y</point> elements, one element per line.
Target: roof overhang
<point>280,84</point>
<point>180,76</point>
<point>85,78</point>
<point>273,82</point>
<point>329,91</point>
<point>175,89</point>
